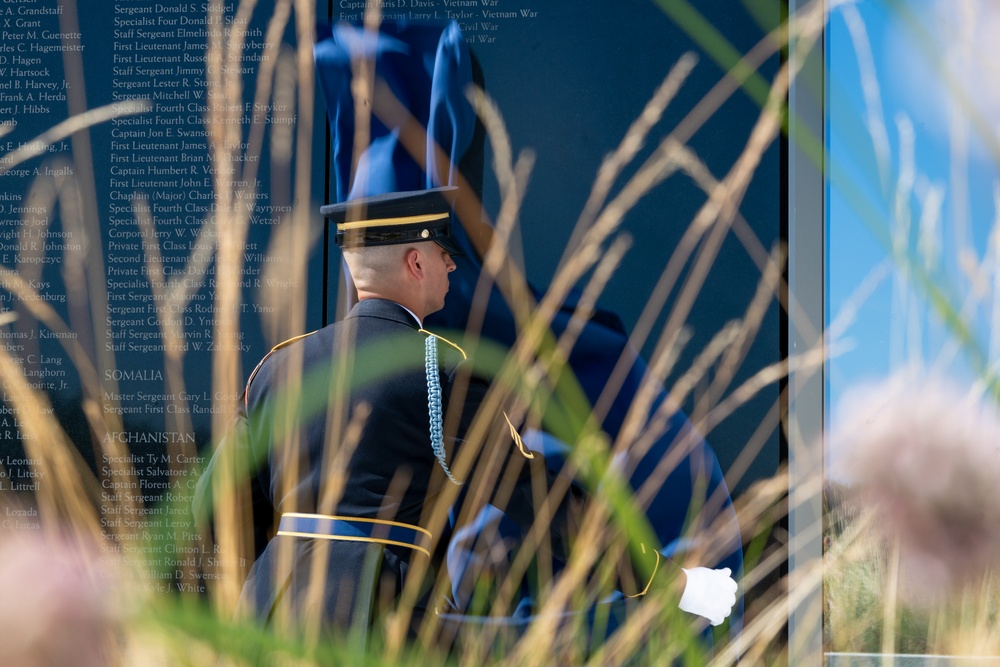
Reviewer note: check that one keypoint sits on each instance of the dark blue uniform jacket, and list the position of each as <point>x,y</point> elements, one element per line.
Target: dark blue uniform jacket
<point>301,403</point>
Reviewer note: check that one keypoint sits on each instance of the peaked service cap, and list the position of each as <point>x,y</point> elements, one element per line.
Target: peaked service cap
<point>396,218</point>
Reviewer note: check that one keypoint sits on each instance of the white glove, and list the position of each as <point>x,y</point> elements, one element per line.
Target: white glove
<point>709,593</point>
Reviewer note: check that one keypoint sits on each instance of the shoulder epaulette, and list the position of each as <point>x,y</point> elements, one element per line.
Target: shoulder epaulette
<point>253,373</point>
<point>445,340</point>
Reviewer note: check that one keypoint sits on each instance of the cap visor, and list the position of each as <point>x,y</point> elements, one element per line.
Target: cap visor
<point>449,244</point>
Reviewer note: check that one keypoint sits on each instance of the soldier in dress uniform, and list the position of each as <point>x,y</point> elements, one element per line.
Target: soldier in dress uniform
<point>379,370</point>
<point>352,422</point>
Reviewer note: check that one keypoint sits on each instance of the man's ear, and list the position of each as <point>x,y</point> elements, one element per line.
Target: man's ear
<point>414,264</point>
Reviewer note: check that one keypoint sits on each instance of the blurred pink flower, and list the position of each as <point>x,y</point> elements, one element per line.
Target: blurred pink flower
<point>925,457</point>
<point>53,609</point>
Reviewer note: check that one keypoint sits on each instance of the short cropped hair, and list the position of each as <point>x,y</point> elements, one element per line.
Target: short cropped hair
<point>374,266</point>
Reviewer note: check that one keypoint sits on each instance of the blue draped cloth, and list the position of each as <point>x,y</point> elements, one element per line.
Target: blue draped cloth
<point>429,68</point>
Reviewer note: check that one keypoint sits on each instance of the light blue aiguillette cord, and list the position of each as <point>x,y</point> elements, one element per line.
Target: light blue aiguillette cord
<point>434,404</point>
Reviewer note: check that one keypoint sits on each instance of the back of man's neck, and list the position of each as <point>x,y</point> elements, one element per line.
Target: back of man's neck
<point>417,318</point>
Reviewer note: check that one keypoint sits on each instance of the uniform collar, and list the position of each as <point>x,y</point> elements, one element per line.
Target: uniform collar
<point>385,309</point>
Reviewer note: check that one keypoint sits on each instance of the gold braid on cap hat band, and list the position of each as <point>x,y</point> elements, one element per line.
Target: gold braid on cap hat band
<point>405,220</point>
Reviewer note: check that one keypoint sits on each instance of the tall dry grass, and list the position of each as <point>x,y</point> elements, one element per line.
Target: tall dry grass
<point>161,628</point>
